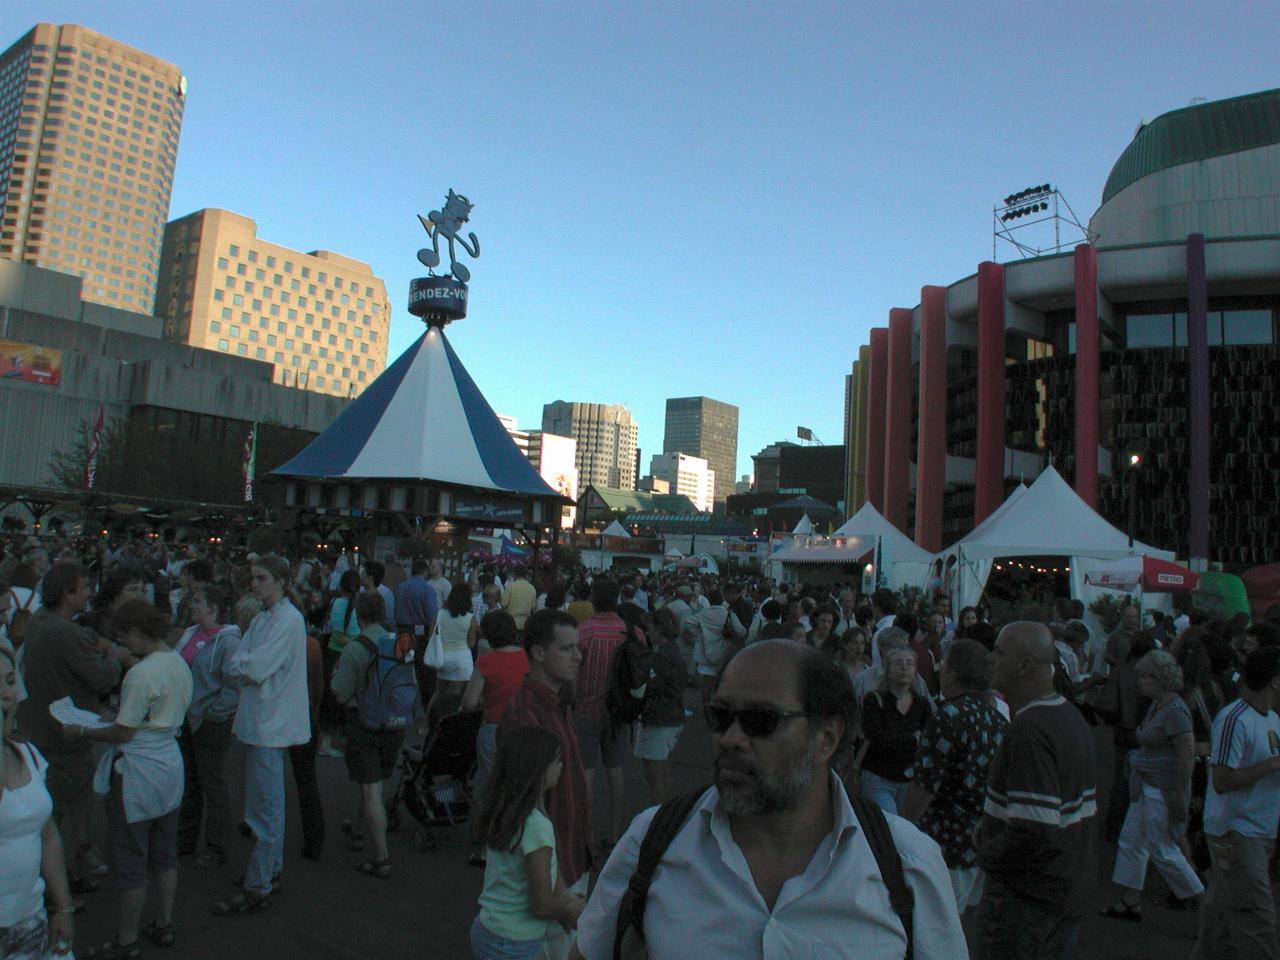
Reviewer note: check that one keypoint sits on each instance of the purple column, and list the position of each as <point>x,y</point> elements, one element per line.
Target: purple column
<point>1198,397</point>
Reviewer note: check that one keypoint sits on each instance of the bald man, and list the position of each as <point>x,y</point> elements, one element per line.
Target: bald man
<point>1038,829</point>
<point>773,860</point>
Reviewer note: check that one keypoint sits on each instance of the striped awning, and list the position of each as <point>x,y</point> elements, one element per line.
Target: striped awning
<point>424,418</point>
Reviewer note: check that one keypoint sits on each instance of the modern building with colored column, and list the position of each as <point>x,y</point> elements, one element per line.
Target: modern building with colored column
<point>1158,338</point>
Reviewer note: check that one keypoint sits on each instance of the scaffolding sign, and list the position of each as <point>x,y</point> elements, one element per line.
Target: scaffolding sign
<point>1036,207</point>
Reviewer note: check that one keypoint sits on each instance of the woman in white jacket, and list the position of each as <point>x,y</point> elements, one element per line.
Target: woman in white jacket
<point>274,714</point>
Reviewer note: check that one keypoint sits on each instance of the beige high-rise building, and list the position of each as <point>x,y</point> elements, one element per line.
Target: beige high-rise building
<point>321,318</point>
<point>88,141</point>
<point>606,436</point>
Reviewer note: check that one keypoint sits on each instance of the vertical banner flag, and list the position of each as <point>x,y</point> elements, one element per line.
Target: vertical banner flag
<point>91,461</point>
<point>249,466</point>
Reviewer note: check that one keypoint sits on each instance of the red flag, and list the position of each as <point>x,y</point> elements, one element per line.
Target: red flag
<point>91,461</point>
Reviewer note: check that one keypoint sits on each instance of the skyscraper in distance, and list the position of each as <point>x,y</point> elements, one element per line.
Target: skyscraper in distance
<point>606,436</point>
<point>706,428</point>
<point>88,142</point>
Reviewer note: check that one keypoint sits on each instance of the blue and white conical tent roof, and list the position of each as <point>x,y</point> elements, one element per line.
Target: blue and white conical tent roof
<point>424,418</point>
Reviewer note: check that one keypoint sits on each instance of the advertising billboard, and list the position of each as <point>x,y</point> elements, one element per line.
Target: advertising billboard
<point>30,362</point>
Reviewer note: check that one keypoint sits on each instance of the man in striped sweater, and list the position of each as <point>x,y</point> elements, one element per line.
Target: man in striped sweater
<point>1036,838</point>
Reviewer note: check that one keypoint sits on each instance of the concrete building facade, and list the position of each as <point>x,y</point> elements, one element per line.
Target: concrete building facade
<point>321,319</point>
<point>117,362</point>
<point>606,436</point>
<point>691,476</point>
<point>706,428</point>
<point>88,142</point>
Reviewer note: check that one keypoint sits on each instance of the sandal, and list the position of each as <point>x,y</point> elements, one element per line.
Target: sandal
<point>244,904</point>
<point>378,869</point>
<point>159,936</point>
<point>209,858</point>
<point>355,839</point>
<point>1122,911</point>
<point>277,883</point>
<point>115,950</point>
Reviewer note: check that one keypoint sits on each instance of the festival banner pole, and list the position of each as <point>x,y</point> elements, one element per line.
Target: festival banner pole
<point>91,461</point>
<point>249,466</point>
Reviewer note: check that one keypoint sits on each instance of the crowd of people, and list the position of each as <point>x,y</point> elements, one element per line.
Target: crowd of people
<point>938,798</point>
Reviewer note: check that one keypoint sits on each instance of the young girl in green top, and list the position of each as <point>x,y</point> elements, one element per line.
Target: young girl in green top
<point>523,891</point>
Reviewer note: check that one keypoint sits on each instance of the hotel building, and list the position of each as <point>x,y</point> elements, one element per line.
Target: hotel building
<point>320,318</point>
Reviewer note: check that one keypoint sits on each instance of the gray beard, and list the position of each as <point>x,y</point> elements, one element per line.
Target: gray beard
<point>773,793</point>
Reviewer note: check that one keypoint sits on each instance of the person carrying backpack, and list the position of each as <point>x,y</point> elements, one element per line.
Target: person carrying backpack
<point>774,857</point>
<point>662,716</point>
<point>375,678</point>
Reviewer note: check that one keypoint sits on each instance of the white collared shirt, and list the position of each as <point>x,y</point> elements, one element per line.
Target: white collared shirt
<point>704,902</point>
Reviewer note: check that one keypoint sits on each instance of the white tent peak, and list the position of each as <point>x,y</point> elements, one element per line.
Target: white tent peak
<point>1049,519</point>
<point>616,529</point>
<point>870,522</point>
<point>805,527</point>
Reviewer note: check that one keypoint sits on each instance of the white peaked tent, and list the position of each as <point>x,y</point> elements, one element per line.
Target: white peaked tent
<point>804,528</point>
<point>902,563</point>
<point>616,529</point>
<point>1049,519</point>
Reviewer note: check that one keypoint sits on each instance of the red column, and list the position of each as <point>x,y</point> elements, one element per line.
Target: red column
<point>877,395</point>
<point>989,474</point>
<point>897,421</point>
<point>931,442</point>
<point>1087,374</point>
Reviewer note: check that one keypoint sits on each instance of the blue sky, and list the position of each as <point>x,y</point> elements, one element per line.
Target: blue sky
<point>671,199</point>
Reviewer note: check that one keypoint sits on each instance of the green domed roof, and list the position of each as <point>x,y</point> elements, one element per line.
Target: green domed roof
<point>1197,133</point>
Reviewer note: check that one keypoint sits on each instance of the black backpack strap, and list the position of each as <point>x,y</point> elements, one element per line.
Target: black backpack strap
<point>885,850</point>
<point>663,828</point>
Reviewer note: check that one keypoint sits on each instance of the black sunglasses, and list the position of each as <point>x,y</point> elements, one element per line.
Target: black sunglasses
<point>755,722</point>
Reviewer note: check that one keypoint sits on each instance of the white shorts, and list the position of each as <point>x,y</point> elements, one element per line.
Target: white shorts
<point>655,743</point>
<point>457,666</point>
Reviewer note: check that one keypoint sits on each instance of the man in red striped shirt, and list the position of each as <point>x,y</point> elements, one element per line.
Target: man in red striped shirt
<point>600,638</point>
<point>551,642</point>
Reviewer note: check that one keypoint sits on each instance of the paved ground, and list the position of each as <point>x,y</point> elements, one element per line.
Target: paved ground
<point>328,910</point>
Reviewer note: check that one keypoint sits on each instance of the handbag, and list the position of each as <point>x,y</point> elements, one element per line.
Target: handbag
<point>435,648</point>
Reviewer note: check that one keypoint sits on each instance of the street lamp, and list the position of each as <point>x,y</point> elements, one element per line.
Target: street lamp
<point>1132,458</point>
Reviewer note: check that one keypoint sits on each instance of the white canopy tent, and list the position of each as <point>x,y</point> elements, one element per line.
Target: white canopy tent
<point>1047,520</point>
<point>616,529</point>
<point>902,563</point>
<point>804,528</point>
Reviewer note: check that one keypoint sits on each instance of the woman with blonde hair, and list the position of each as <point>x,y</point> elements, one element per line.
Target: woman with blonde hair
<point>1159,793</point>
<point>893,717</point>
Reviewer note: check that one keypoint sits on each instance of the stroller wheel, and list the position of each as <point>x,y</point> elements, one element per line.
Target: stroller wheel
<point>424,840</point>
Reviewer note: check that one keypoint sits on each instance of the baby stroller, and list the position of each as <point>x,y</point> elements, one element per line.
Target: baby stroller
<point>434,778</point>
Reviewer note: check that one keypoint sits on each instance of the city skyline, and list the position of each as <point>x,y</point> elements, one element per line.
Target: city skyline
<point>698,182</point>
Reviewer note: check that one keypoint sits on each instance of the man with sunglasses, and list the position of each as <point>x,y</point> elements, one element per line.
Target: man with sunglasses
<point>773,861</point>
<point>1038,831</point>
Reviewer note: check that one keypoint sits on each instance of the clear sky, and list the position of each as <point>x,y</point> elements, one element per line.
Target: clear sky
<point>672,198</point>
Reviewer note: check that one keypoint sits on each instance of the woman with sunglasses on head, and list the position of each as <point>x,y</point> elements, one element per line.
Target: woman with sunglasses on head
<point>893,717</point>
<point>206,647</point>
<point>30,844</point>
